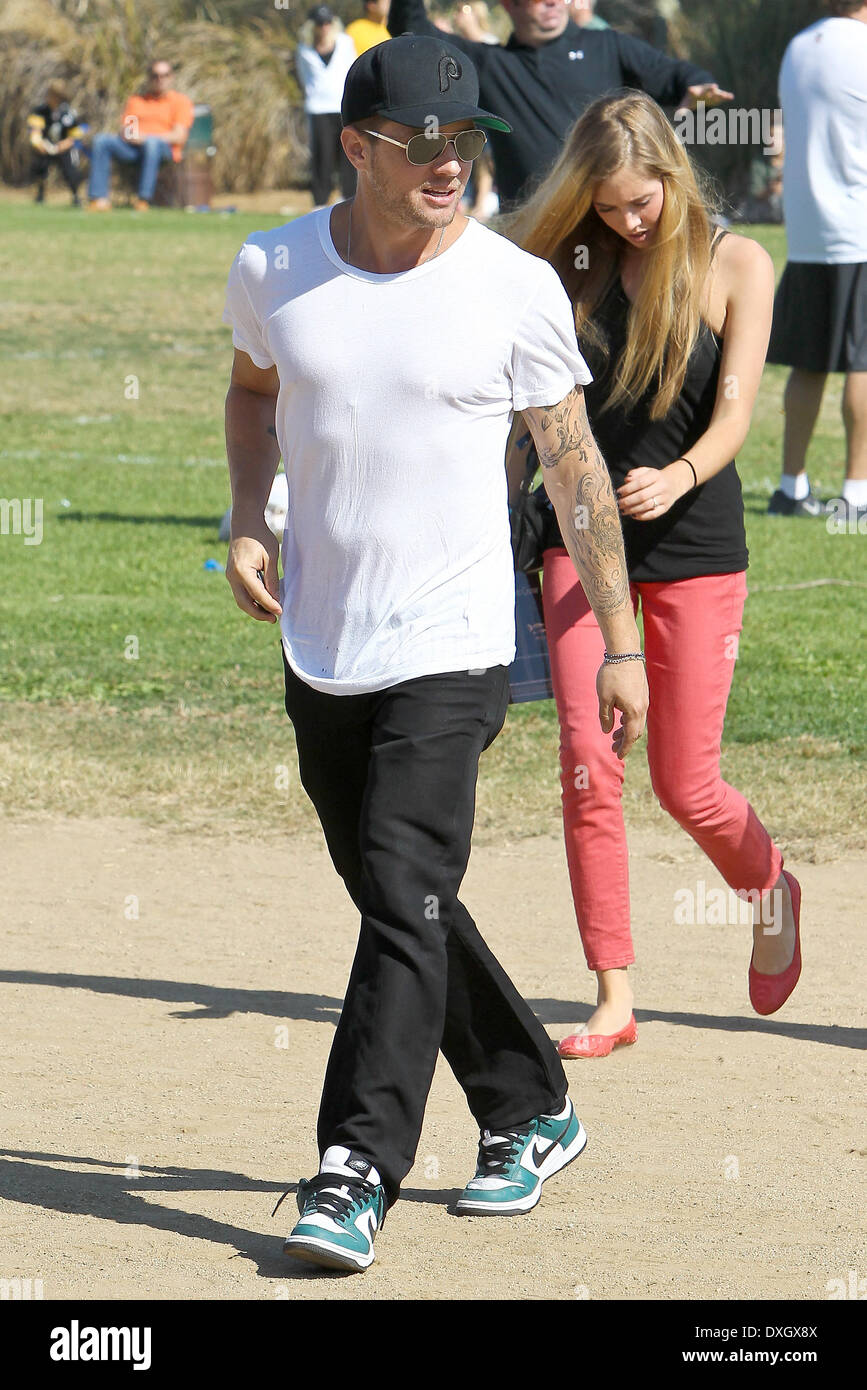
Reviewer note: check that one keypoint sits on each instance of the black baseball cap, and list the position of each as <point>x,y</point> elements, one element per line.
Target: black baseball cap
<point>411,79</point>
<point>321,14</point>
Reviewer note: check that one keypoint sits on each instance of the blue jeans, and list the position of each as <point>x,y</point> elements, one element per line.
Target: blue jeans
<point>148,155</point>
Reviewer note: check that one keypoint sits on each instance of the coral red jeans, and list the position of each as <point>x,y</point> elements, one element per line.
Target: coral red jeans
<point>691,631</point>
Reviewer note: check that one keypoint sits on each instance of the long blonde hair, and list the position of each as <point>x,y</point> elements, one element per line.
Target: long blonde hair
<point>560,224</point>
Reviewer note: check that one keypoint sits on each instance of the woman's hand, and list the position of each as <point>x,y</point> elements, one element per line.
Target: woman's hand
<point>648,493</point>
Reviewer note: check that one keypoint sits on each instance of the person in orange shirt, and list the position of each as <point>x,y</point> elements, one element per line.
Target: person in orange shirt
<point>372,28</point>
<point>154,127</point>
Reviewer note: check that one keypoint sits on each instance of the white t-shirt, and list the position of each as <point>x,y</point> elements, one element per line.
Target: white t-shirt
<point>323,82</point>
<point>396,399</point>
<point>823,92</point>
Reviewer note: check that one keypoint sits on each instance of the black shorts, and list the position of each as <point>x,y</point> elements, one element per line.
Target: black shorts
<point>820,318</point>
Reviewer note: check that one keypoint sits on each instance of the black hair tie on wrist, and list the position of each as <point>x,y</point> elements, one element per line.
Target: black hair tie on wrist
<point>684,459</point>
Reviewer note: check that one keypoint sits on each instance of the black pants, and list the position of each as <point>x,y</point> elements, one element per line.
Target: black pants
<point>69,163</point>
<point>327,158</point>
<point>393,778</point>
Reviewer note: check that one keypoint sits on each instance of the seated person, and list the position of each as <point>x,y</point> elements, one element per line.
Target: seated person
<point>154,126</point>
<point>55,134</point>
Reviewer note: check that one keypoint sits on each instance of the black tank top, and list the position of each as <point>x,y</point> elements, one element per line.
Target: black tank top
<point>703,532</point>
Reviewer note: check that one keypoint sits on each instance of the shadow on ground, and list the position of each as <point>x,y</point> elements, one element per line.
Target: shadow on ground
<point>211,1001</point>
<point>159,519</point>
<point>35,1179</point>
<point>553,1011</point>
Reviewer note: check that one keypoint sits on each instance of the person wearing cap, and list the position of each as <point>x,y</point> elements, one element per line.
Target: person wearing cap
<point>321,67</point>
<point>550,70</point>
<point>401,337</point>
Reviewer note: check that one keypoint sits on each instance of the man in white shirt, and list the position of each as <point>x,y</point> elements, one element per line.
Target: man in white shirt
<point>321,69</point>
<point>383,346</point>
<point>820,314</point>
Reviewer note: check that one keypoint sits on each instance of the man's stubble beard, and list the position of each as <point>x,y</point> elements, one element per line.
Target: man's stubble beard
<point>399,208</point>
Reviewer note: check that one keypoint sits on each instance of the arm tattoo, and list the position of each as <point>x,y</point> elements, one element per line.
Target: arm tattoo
<point>591,529</point>
<point>595,541</point>
<point>569,421</point>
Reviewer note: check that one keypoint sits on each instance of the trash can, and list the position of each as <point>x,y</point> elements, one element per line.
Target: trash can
<point>201,136</point>
<point>195,180</point>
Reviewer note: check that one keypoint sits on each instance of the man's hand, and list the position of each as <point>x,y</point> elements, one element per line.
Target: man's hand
<point>253,454</point>
<point>252,560</point>
<point>622,686</point>
<point>708,92</point>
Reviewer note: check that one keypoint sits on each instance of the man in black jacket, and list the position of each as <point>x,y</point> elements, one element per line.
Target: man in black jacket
<point>548,73</point>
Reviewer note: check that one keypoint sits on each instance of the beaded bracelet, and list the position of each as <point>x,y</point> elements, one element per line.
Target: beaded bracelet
<point>684,459</point>
<point>610,659</point>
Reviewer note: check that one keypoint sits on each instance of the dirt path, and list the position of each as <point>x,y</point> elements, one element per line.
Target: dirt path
<point>168,1006</point>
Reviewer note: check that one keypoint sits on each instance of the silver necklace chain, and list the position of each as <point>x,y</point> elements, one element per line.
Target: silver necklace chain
<point>349,241</point>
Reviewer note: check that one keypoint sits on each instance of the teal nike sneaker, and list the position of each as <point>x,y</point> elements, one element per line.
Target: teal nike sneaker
<point>513,1163</point>
<point>342,1209</point>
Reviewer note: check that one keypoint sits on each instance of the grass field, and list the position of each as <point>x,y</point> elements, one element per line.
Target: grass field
<point>114,368</point>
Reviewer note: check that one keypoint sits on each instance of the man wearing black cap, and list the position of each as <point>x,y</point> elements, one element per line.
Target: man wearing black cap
<point>401,337</point>
<point>321,68</point>
<point>550,70</point>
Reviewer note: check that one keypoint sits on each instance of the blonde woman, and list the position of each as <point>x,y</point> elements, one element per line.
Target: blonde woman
<point>674,320</point>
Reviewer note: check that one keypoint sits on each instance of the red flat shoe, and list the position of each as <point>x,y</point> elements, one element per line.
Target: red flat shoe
<point>770,992</point>
<point>597,1044</point>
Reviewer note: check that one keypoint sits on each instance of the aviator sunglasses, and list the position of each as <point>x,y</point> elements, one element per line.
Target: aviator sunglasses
<point>424,148</point>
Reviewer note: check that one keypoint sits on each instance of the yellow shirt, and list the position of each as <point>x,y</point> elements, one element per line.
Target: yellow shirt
<point>365,34</point>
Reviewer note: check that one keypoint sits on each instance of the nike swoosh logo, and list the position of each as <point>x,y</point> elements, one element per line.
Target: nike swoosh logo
<point>370,1218</point>
<point>538,1155</point>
